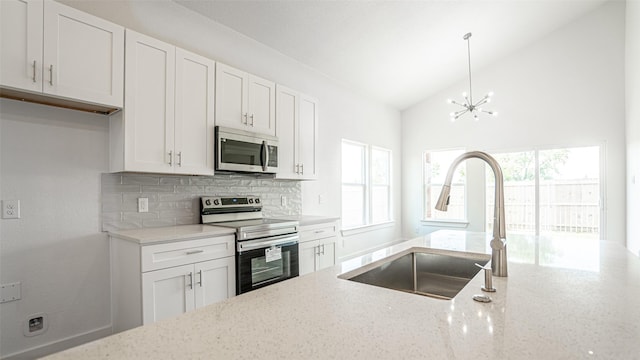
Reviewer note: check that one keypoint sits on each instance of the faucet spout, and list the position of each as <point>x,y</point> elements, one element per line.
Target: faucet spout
<point>499,241</point>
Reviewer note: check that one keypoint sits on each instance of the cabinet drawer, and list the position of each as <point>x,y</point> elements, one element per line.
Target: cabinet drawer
<point>319,231</point>
<point>177,253</point>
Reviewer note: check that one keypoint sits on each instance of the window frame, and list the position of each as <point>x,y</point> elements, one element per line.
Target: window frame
<point>452,222</point>
<point>367,171</point>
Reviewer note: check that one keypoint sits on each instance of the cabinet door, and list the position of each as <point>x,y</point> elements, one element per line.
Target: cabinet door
<point>149,114</point>
<point>215,280</point>
<point>262,105</point>
<point>83,56</point>
<point>308,138</point>
<point>167,293</point>
<point>231,97</point>
<point>21,36</point>
<point>327,254</point>
<point>194,132</point>
<point>287,103</point>
<point>307,253</point>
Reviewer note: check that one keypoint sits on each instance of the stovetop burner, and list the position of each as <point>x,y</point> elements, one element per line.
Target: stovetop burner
<point>245,215</point>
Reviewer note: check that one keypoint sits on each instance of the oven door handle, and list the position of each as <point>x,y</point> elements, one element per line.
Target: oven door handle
<point>262,244</point>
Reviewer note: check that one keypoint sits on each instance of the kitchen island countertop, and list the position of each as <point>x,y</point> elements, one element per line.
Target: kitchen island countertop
<point>564,298</point>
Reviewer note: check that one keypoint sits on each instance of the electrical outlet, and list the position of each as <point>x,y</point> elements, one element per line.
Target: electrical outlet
<point>143,205</point>
<point>35,324</point>
<point>11,209</point>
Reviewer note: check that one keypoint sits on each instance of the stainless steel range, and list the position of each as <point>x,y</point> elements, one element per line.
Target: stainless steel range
<point>266,249</point>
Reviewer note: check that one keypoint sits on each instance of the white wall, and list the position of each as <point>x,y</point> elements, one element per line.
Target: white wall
<point>566,89</point>
<point>633,125</point>
<point>52,160</point>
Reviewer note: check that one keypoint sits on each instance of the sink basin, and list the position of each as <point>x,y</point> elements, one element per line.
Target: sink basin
<point>436,273</point>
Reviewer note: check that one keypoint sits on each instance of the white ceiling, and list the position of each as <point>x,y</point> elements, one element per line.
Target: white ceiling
<point>397,52</point>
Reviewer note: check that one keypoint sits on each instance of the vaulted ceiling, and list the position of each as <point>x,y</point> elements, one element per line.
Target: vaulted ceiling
<point>397,52</point>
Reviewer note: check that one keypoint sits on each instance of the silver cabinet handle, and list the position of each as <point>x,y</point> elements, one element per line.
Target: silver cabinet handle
<point>180,159</point>
<point>318,231</point>
<point>318,250</point>
<point>297,168</point>
<point>251,119</point>
<point>190,284</point>
<point>322,249</point>
<point>200,282</point>
<point>34,70</point>
<point>194,252</point>
<point>302,169</point>
<point>245,118</point>
<point>170,157</point>
<point>51,74</point>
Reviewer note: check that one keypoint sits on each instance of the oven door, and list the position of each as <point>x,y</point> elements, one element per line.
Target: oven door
<point>238,150</point>
<point>264,262</point>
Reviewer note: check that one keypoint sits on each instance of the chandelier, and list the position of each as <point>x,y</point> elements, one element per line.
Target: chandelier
<point>469,106</point>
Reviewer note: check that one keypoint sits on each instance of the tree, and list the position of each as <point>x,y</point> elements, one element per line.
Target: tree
<point>521,166</point>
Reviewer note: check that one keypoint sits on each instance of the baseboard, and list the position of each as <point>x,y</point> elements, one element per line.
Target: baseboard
<point>57,346</point>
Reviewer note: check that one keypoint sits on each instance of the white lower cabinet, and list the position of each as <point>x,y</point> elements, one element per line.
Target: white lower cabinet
<point>174,291</point>
<point>317,247</point>
<point>155,282</point>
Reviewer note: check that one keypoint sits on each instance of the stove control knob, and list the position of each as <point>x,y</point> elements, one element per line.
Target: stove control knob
<point>257,201</point>
<point>207,202</point>
<point>216,202</point>
<point>250,201</point>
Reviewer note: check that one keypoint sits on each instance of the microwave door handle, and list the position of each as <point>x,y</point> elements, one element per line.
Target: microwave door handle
<point>264,156</point>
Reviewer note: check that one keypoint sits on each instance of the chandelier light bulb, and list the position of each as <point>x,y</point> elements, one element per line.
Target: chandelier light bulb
<point>450,101</point>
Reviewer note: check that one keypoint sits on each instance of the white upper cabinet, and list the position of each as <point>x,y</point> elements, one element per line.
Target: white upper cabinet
<point>244,101</point>
<point>21,54</point>
<point>51,49</point>
<point>149,95</point>
<point>308,138</point>
<point>194,114</point>
<point>167,125</point>
<point>297,132</point>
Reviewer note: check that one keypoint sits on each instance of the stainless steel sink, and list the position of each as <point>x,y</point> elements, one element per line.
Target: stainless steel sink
<point>423,271</point>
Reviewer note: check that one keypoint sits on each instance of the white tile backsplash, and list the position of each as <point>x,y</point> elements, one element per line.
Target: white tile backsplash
<point>175,200</point>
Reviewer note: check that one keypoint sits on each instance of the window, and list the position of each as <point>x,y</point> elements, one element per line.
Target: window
<point>554,191</point>
<point>366,184</point>
<point>435,166</point>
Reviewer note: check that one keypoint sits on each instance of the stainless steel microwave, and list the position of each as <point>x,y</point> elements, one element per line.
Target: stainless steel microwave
<point>244,151</point>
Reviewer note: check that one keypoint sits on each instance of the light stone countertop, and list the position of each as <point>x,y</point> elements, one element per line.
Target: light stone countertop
<point>149,236</point>
<point>563,299</point>
<point>307,220</point>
